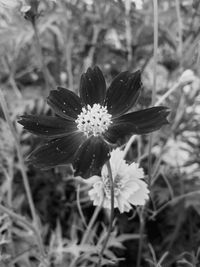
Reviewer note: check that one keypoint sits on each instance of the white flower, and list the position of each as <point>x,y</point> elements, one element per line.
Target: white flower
<point>128,186</point>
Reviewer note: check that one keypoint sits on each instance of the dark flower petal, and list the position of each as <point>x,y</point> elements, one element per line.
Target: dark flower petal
<point>123,92</point>
<point>56,152</point>
<point>91,156</point>
<point>65,103</point>
<point>139,122</point>
<point>46,126</point>
<point>93,87</point>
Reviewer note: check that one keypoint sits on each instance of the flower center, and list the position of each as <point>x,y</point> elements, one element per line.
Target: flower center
<point>93,120</point>
<point>107,186</point>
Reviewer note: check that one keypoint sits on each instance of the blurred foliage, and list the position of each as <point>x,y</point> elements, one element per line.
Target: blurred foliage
<point>73,35</point>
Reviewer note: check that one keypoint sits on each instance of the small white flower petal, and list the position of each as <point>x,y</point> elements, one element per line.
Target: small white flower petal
<point>140,196</point>
<point>92,180</point>
<point>118,164</point>
<point>135,171</point>
<point>96,194</point>
<point>123,204</point>
<point>130,188</point>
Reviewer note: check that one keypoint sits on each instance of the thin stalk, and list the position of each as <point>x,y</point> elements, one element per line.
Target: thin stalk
<point>20,157</point>
<point>173,201</point>
<point>139,254</point>
<point>155,50</point>
<point>153,100</point>
<point>21,161</point>
<point>111,214</point>
<point>91,223</point>
<point>79,206</point>
<point>155,59</point>
<point>14,87</point>
<point>9,177</point>
<point>88,61</point>
<point>69,44</point>
<point>128,31</point>
<point>169,92</point>
<point>129,144</point>
<point>180,30</point>
<point>45,71</point>
<point>151,136</point>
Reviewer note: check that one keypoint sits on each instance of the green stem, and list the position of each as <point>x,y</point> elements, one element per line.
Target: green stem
<point>111,214</point>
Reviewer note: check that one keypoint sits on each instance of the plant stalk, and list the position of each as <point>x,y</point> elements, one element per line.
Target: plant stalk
<point>45,70</point>
<point>111,214</point>
<point>153,100</point>
<point>21,161</point>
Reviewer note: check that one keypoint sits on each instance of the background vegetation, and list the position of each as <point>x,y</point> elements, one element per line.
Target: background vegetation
<point>53,48</point>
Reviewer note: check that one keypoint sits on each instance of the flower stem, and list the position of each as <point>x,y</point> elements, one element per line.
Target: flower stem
<point>19,153</point>
<point>155,50</point>
<point>180,31</point>
<point>21,161</point>
<point>128,31</point>
<point>45,70</point>
<point>176,86</point>
<point>173,201</point>
<point>128,145</point>
<point>155,59</point>
<point>91,223</point>
<point>142,225</point>
<point>79,206</point>
<point>111,214</point>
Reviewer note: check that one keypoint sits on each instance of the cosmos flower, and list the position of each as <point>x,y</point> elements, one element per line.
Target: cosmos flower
<point>86,126</point>
<point>129,189</point>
